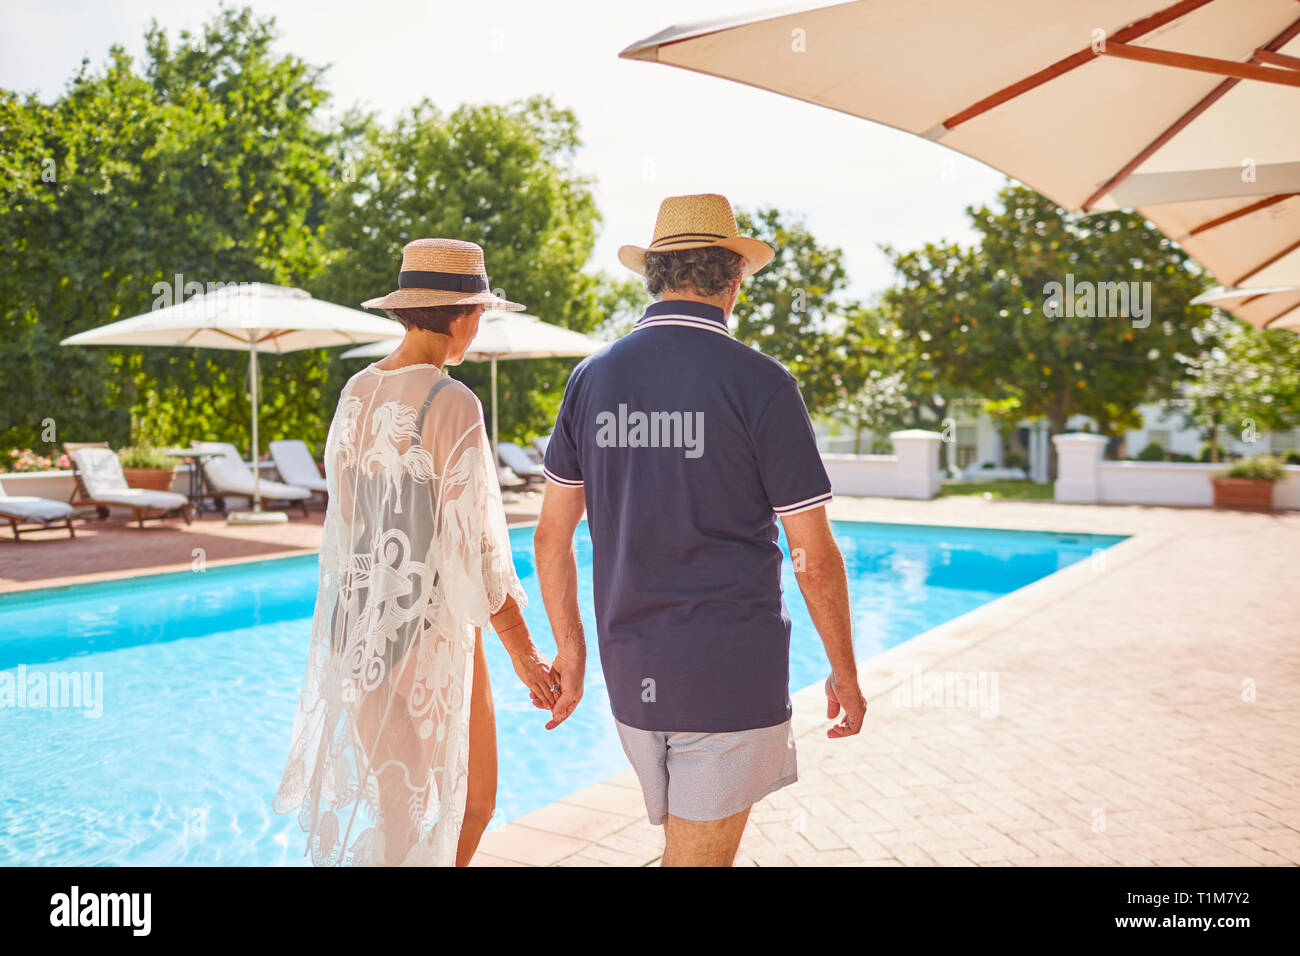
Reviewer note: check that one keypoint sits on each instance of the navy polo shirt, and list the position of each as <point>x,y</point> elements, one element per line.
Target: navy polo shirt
<point>688,445</point>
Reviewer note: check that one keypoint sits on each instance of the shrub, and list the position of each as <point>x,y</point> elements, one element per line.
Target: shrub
<point>1013,459</point>
<point>1153,452</point>
<point>1293,457</point>
<point>1259,468</point>
<point>145,456</point>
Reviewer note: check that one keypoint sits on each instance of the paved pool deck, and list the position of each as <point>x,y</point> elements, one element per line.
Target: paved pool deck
<point>1147,707</point>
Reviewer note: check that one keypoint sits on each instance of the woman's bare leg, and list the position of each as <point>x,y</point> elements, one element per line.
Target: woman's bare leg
<point>481,794</point>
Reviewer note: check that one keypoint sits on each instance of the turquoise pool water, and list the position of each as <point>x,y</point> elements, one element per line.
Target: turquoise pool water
<point>200,675</point>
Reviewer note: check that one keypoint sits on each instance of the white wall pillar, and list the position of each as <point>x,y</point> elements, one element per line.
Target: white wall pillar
<point>917,475</point>
<point>1039,452</point>
<point>1078,456</point>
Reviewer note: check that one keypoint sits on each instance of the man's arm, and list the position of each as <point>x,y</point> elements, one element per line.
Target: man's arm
<point>557,572</point>
<point>819,569</point>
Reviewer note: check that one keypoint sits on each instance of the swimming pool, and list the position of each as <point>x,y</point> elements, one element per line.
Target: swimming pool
<point>199,675</point>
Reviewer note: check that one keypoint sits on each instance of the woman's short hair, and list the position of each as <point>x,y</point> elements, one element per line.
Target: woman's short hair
<point>706,271</point>
<point>431,318</point>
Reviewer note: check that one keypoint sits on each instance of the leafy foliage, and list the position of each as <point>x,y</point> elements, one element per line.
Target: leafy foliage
<point>206,162</point>
<point>978,319</point>
<point>500,176</point>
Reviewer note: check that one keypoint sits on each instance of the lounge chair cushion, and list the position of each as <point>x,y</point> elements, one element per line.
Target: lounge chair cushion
<point>27,508</point>
<point>229,475</point>
<point>143,498</point>
<point>100,471</point>
<point>295,464</point>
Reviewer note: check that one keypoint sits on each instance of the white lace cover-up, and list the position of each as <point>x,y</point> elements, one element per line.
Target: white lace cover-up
<point>414,556</point>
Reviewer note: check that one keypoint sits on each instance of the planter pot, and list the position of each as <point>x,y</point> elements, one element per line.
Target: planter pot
<point>1246,494</point>
<point>154,479</point>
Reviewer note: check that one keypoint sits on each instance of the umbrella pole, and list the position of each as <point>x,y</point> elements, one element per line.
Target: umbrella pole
<point>252,379</point>
<point>255,515</point>
<point>494,412</point>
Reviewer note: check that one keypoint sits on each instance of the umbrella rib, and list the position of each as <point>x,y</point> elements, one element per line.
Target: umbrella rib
<point>1202,64</point>
<point>1269,322</point>
<point>1071,62</point>
<point>1266,55</point>
<point>1181,123</point>
<point>220,331</point>
<point>1267,262</point>
<point>1243,211</point>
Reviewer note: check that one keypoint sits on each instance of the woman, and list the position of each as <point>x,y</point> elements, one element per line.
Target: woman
<point>393,759</point>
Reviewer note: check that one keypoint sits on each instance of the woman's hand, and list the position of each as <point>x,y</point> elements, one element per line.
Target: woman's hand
<point>568,671</point>
<point>536,674</point>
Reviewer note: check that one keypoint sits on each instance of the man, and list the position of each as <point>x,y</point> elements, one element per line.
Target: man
<point>683,446</point>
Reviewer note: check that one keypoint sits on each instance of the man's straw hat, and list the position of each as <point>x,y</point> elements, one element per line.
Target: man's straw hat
<point>697,222</point>
<point>441,272</point>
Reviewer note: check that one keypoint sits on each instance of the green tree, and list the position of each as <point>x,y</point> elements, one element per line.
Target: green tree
<point>795,311</point>
<point>501,176</point>
<point>207,162</point>
<point>1250,382</point>
<point>983,318</point>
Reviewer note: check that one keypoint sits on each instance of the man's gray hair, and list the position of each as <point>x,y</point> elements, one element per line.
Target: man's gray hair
<point>706,271</point>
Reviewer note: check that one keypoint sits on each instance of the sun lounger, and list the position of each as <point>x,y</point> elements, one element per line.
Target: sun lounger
<point>229,475</point>
<point>24,512</point>
<point>508,480</point>
<point>101,477</point>
<point>514,458</point>
<point>296,466</point>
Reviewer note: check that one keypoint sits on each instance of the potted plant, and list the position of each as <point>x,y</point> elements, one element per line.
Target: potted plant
<point>1248,484</point>
<point>147,467</point>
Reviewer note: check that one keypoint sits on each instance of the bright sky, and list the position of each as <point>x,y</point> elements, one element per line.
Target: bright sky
<point>649,130</point>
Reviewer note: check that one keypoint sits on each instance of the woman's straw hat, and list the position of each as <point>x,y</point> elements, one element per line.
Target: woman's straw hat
<point>441,272</point>
<point>696,222</point>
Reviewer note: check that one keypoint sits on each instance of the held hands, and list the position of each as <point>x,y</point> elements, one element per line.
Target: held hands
<point>843,694</point>
<point>567,671</point>
<point>535,673</point>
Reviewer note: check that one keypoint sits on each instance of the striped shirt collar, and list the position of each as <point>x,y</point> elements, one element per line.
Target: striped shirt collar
<point>696,315</point>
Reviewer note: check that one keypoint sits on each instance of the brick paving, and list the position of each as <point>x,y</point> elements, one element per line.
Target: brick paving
<point>1147,704</point>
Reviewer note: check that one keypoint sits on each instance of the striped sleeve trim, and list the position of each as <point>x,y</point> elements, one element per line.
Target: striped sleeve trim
<point>806,505</point>
<point>567,482</point>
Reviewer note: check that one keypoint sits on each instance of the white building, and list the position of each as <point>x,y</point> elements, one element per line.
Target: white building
<point>975,447</point>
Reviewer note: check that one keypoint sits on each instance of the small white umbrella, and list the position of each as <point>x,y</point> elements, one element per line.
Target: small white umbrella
<point>506,335</point>
<point>1111,104</point>
<point>1275,308</point>
<point>249,315</point>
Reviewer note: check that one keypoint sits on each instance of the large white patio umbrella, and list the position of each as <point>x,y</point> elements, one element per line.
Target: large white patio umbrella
<point>1276,308</point>
<point>249,315</point>
<point>506,335</point>
<point>1148,104</point>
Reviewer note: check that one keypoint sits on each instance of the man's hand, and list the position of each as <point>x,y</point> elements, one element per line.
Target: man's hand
<point>844,695</point>
<point>557,572</point>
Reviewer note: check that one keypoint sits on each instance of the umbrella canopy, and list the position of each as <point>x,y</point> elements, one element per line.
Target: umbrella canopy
<point>269,318</point>
<point>247,315</point>
<point>1103,105</point>
<point>506,335</point>
<point>513,335</point>
<point>1276,308</point>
